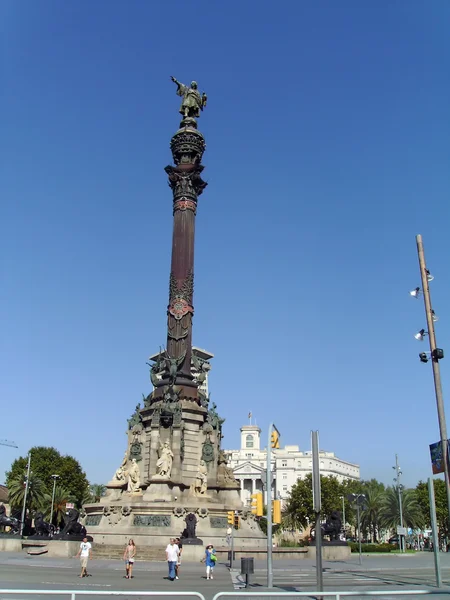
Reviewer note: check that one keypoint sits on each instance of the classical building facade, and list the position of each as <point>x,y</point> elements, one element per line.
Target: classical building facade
<point>288,465</point>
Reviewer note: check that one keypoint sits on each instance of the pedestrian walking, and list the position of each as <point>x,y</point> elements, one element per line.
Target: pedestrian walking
<point>209,559</point>
<point>128,557</point>
<point>172,552</point>
<point>180,552</point>
<point>85,554</point>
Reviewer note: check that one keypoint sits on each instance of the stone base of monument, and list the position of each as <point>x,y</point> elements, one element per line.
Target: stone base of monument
<point>153,523</point>
<point>332,551</point>
<point>73,538</point>
<point>191,542</point>
<point>10,543</point>
<point>57,548</point>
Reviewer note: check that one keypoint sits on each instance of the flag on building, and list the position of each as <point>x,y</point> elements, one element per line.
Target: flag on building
<point>249,415</point>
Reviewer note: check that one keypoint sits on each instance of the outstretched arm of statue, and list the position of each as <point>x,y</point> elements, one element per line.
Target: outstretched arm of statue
<point>175,81</point>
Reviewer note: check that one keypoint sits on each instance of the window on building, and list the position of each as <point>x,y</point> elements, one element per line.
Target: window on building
<point>284,488</point>
<point>249,455</point>
<point>284,463</point>
<point>284,475</point>
<point>249,441</point>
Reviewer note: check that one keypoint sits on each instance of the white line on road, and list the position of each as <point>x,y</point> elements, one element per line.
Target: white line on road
<point>72,583</point>
<point>46,566</point>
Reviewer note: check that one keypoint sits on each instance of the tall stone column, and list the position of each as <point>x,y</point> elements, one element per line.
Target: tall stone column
<point>187,146</point>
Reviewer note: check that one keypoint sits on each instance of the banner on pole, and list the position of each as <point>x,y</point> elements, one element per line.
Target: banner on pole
<point>437,462</point>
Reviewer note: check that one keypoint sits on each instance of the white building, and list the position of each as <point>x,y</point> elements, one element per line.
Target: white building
<point>288,465</point>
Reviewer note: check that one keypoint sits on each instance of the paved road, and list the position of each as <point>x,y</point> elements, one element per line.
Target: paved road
<point>381,573</point>
<point>387,573</point>
<point>21,572</point>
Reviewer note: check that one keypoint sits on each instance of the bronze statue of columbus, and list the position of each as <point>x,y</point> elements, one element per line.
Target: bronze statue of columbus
<point>192,102</point>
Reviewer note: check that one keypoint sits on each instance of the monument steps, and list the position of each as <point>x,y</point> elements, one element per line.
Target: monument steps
<point>110,551</point>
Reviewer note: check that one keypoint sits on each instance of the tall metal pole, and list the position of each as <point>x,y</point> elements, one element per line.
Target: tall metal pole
<point>359,532</point>
<point>269,508</point>
<point>55,477</point>
<point>434,529</point>
<point>22,522</point>
<point>435,363</point>
<point>317,502</point>
<point>343,514</point>
<point>399,490</point>
<point>232,548</point>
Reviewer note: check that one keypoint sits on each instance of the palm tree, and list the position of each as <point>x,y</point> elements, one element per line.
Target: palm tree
<point>370,515</point>
<point>87,497</point>
<point>62,497</point>
<point>97,490</point>
<point>411,511</point>
<point>35,494</point>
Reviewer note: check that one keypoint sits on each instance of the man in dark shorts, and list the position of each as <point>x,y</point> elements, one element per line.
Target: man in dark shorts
<point>178,565</point>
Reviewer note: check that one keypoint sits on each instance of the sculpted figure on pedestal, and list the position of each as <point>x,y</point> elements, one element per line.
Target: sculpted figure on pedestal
<point>201,479</point>
<point>134,478</point>
<point>120,473</point>
<point>225,475</point>
<point>164,462</point>
<point>192,102</point>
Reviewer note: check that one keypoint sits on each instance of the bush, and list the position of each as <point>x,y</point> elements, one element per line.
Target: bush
<point>372,547</point>
<point>287,544</point>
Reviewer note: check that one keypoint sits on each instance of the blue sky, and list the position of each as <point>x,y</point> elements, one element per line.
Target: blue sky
<point>327,151</point>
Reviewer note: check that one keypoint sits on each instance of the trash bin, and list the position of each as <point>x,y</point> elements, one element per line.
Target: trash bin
<point>247,566</point>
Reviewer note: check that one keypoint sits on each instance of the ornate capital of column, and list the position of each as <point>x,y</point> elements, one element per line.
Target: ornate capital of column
<point>186,182</point>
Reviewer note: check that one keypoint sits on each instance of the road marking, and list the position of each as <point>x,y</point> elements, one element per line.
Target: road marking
<point>46,566</point>
<point>75,583</point>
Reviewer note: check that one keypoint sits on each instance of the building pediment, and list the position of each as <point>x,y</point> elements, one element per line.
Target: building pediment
<point>248,468</point>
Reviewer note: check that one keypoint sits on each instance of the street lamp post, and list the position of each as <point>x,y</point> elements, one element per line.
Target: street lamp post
<point>359,533</point>
<point>399,490</point>
<point>358,499</point>
<point>54,477</point>
<point>425,275</point>
<point>343,515</point>
<point>24,508</point>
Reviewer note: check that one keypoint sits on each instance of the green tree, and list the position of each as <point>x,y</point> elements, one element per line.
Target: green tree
<point>374,492</point>
<point>45,462</point>
<point>299,506</point>
<point>62,497</point>
<point>440,498</point>
<point>97,491</point>
<point>299,510</point>
<point>411,510</point>
<point>35,494</point>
